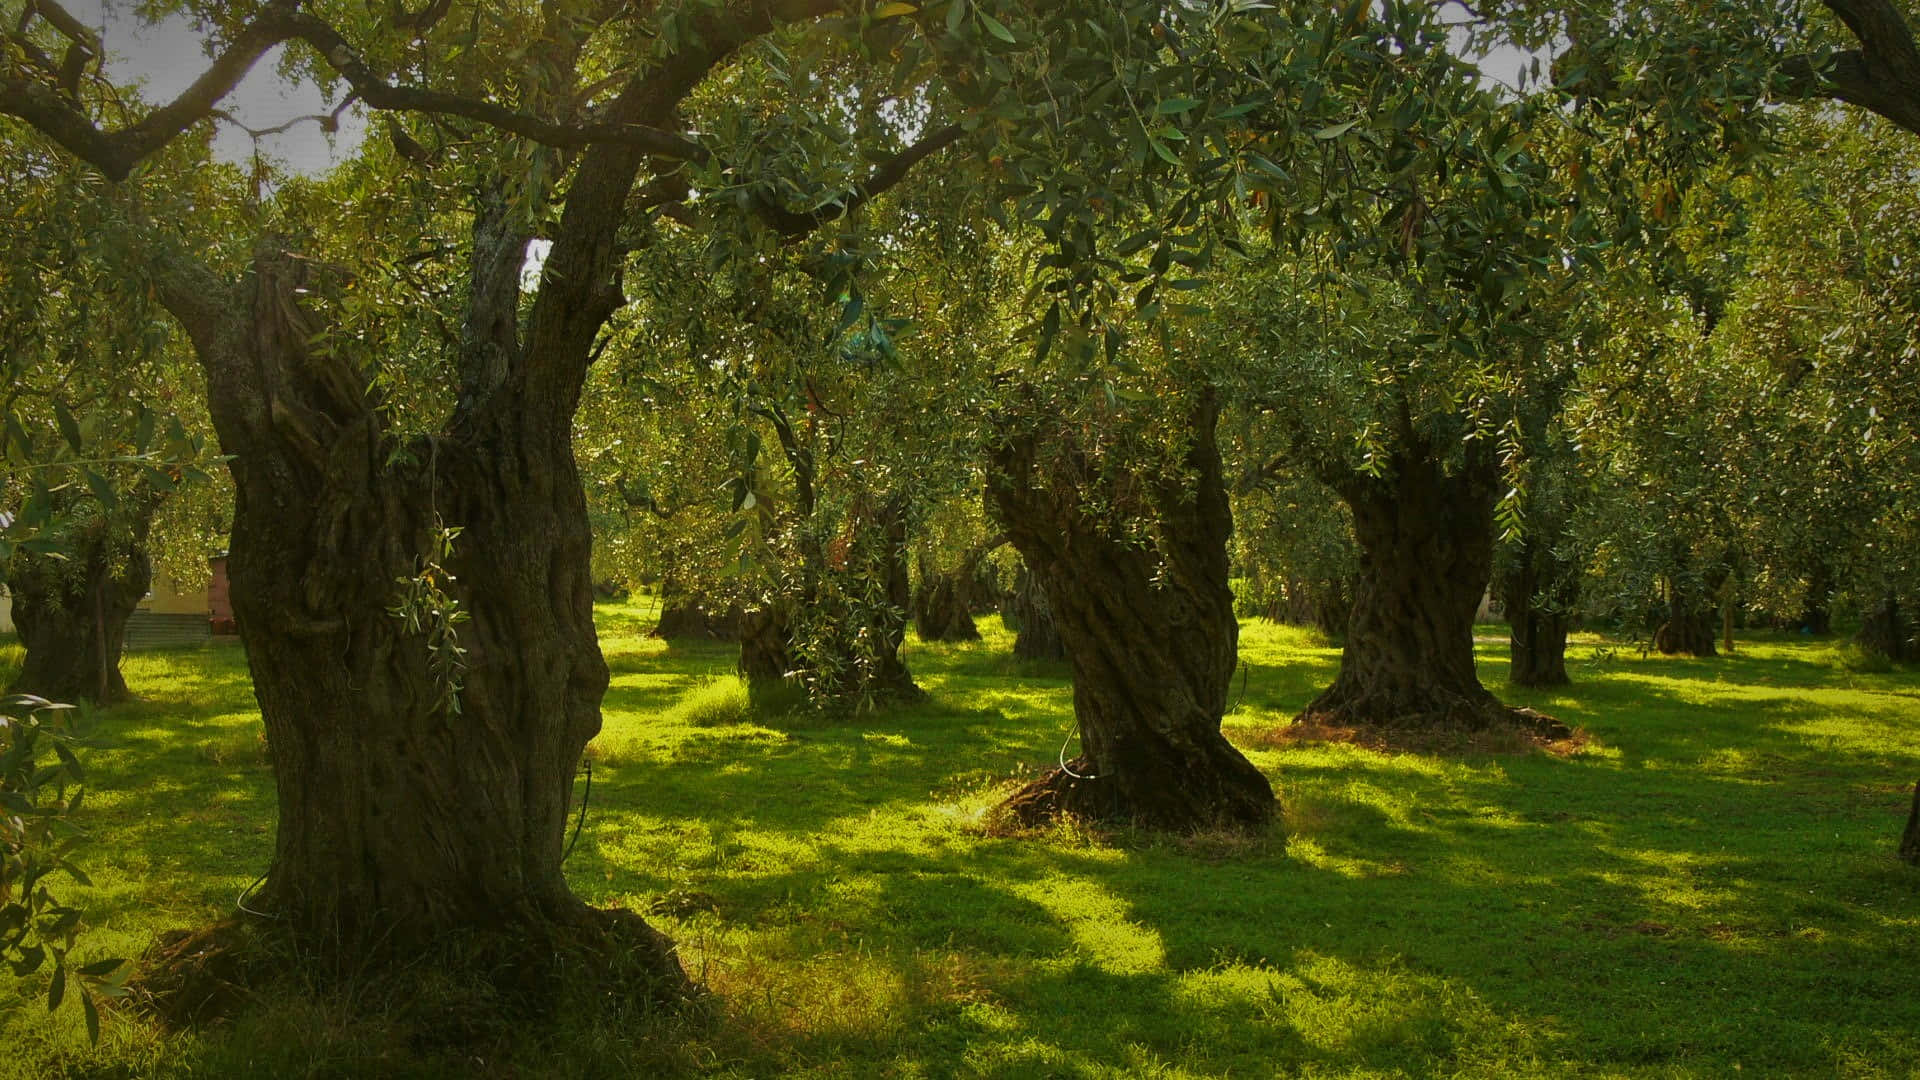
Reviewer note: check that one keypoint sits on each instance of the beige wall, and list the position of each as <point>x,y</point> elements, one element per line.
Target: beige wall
<point>168,597</point>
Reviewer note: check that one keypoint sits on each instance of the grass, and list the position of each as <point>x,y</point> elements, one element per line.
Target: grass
<point>1707,886</point>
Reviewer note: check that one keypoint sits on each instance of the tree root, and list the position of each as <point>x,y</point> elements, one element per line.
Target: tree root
<point>461,988</point>
<point>1509,730</point>
<point>1076,793</point>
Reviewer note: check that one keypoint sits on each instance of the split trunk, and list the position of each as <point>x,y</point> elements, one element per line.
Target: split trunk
<point>1151,634</point>
<point>424,761</point>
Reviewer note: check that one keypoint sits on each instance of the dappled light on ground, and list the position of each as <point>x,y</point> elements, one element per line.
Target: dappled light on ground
<point>1709,882</point>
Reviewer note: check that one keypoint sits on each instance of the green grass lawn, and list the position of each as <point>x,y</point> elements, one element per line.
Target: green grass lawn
<point>1707,887</point>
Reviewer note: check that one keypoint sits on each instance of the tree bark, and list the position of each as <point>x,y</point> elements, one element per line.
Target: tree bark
<point>1027,611</point>
<point>1689,627</point>
<point>1885,631</point>
<point>764,655</point>
<point>72,612</point>
<point>943,608</point>
<point>1150,631</point>
<point>683,616</point>
<point>1539,591</point>
<point>1426,554</point>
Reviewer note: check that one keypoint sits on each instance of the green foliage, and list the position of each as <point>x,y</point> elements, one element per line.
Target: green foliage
<point>41,787</point>
<point>428,609</point>
<point>1850,656</point>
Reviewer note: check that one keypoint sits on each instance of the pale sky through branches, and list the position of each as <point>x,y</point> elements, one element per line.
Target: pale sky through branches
<point>167,56</point>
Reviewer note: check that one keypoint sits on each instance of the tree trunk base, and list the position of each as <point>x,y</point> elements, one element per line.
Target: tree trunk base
<point>467,987</point>
<point>1347,705</point>
<point>941,610</point>
<point>1686,636</point>
<point>1433,712</point>
<point>1222,792</point>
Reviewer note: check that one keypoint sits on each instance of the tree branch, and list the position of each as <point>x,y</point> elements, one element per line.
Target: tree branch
<point>796,223</point>
<point>115,153</point>
<point>1882,76</point>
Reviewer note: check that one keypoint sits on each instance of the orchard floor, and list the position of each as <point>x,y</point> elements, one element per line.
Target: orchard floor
<point>1708,886</point>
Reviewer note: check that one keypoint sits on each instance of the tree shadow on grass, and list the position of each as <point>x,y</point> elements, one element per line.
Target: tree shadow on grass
<point>1433,942</point>
<point>1624,909</point>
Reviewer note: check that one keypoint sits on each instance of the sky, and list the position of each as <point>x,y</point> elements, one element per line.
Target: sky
<point>169,55</point>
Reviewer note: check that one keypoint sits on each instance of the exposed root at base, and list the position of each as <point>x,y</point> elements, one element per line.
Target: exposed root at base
<point>1512,731</point>
<point>467,988</point>
<point>1076,794</point>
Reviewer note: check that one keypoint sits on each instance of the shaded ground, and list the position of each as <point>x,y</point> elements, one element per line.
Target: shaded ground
<point>1707,884</point>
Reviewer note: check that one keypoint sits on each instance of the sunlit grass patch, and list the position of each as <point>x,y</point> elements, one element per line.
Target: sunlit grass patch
<point>1708,885</point>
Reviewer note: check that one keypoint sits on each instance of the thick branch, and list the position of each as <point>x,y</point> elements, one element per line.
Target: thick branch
<point>795,223</point>
<point>115,153</point>
<point>380,94</point>
<point>1882,76</point>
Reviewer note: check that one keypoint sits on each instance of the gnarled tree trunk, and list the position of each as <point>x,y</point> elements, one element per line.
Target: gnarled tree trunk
<point>1539,590</point>
<point>943,608</point>
<point>423,796</point>
<point>1426,553</point>
<point>72,612</point>
<point>1151,633</point>
<point>1885,631</point>
<point>1027,611</point>
<point>1689,626</point>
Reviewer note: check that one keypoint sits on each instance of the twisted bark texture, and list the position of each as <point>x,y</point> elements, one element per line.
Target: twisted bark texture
<point>1027,611</point>
<point>943,608</point>
<point>1150,631</point>
<point>72,612</point>
<point>408,810</point>
<point>1539,590</point>
<point>1426,554</point>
